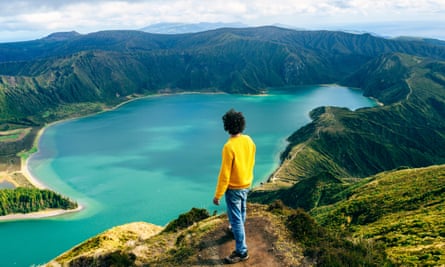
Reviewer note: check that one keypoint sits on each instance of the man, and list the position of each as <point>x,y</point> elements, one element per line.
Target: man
<point>235,178</point>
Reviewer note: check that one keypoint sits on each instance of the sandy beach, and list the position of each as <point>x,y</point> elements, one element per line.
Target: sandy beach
<point>38,184</point>
<point>38,215</point>
<point>30,177</point>
<point>24,170</point>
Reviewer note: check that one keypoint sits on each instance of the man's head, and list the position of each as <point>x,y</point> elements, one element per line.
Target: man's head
<point>234,122</point>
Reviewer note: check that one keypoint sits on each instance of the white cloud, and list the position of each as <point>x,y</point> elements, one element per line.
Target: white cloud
<point>86,16</point>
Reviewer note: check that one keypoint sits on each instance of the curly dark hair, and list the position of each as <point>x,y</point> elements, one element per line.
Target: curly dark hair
<point>234,122</point>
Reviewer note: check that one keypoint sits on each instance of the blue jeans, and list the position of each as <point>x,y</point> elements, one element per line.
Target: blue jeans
<point>236,201</point>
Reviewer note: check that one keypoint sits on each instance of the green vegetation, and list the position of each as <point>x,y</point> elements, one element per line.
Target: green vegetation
<point>404,190</point>
<point>404,210</point>
<point>9,137</point>
<point>13,135</point>
<point>72,111</point>
<point>25,200</point>
<point>37,83</point>
<point>25,154</point>
<point>408,131</point>
<point>401,211</point>
<point>115,258</point>
<point>292,235</point>
<point>320,190</point>
<point>330,248</point>
<point>84,74</point>
<point>339,168</point>
<point>187,219</point>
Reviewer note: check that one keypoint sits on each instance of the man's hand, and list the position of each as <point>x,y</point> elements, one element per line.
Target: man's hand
<point>216,201</point>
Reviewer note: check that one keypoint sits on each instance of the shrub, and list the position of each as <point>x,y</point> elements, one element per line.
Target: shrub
<point>187,219</point>
<point>332,248</point>
<point>114,259</point>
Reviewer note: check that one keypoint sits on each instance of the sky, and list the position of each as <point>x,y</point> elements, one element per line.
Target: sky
<point>32,19</point>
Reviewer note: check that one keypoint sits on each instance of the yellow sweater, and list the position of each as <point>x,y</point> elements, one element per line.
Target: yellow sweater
<point>238,160</point>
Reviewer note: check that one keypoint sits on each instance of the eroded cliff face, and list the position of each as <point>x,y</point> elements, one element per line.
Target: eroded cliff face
<point>43,78</point>
<point>406,131</point>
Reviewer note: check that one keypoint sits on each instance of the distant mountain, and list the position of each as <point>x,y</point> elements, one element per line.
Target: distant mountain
<point>46,80</point>
<point>423,29</point>
<point>179,28</point>
<point>61,36</point>
<point>109,66</point>
<point>70,75</point>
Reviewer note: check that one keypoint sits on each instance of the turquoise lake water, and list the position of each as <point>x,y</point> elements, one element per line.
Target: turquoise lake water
<point>151,160</point>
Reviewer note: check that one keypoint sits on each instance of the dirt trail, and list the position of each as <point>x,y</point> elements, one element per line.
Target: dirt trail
<point>260,240</point>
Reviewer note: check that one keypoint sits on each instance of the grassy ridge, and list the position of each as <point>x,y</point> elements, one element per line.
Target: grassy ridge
<point>282,236</point>
<point>404,209</point>
<point>106,67</point>
<point>324,159</point>
<point>392,218</point>
<point>406,132</point>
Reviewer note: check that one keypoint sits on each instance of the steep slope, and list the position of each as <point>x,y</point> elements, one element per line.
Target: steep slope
<point>205,243</point>
<point>307,194</point>
<point>405,209</point>
<point>401,212</point>
<point>408,131</point>
<point>36,88</point>
<point>331,43</point>
<point>274,234</point>
<point>44,76</point>
<point>46,80</point>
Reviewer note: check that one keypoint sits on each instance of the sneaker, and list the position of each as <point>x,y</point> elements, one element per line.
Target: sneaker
<point>236,257</point>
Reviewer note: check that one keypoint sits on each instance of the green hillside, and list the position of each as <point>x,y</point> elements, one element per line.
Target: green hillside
<point>394,218</point>
<point>52,78</point>
<point>278,236</point>
<point>403,209</point>
<point>39,79</point>
<point>407,131</point>
<point>330,159</point>
<point>340,167</point>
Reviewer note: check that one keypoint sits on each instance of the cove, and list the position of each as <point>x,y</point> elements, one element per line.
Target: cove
<point>151,160</point>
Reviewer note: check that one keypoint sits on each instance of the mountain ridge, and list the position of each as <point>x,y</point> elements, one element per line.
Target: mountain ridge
<point>335,152</point>
<point>180,28</point>
<point>123,39</point>
<point>350,232</point>
<point>336,139</point>
<point>228,60</point>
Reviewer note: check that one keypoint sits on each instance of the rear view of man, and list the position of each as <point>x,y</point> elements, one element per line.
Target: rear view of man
<point>235,178</point>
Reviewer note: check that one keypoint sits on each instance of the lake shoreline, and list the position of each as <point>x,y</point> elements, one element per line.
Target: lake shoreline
<point>38,214</point>
<point>24,168</point>
<point>38,184</point>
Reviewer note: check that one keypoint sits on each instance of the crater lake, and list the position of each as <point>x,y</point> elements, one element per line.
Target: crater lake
<point>151,160</point>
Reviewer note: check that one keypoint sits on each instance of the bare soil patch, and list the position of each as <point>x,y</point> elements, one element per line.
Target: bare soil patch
<point>264,240</point>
